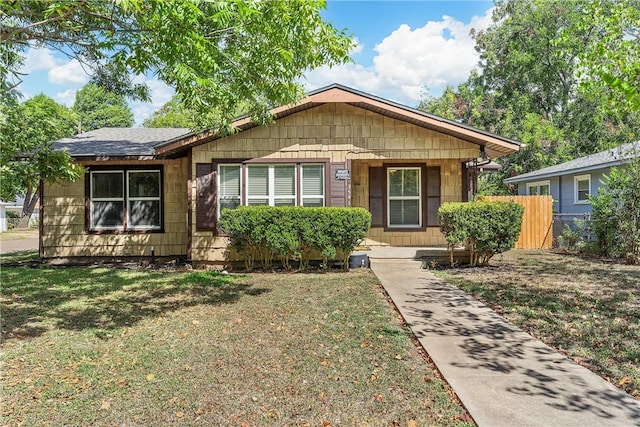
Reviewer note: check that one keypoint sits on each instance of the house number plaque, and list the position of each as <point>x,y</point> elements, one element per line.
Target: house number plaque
<point>343,174</point>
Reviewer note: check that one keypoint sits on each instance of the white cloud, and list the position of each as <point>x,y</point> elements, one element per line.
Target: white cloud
<point>38,59</point>
<point>409,60</point>
<point>67,97</point>
<point>160,94</point>
<point>69,74</point>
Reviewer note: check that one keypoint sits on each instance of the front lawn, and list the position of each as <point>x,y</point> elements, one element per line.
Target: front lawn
<point>587,308</point>
<point>104,346</point>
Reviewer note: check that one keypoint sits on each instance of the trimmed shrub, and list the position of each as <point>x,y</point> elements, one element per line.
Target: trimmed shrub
<point>294,233</point>
<point>485,228</point>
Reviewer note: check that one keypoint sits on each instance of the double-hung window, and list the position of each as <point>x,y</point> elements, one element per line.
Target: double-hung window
<point>271,185</point>
<point>123,200</point>
<point>404,204</point>
<point>582,186</point>
<point>312,185</point>
<point>280,184</point>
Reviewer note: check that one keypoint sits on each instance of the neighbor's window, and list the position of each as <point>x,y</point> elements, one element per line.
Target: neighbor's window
<point>538,188</point>
<point>582,186</point>
<point>125,200</point>
<point>404,207</point>
<point>271,185</point>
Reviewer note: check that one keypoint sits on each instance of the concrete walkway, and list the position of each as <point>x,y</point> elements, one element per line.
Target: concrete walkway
<point>502,375</point>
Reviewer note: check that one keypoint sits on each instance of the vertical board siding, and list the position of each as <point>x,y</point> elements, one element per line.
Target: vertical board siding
<point>537,220</point>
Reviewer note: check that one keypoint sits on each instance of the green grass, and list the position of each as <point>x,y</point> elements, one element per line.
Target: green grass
<point>98,346</point>
<point>585,307</point>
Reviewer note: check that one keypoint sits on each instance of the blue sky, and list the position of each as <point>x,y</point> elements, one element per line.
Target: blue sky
<point>405,49</point>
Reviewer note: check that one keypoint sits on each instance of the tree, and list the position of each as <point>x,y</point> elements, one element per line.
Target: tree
<point>616,211</point>
<point>173,114</point>
<point>614,57</point>
<point>225,55</point>
<point>532,85</point>
<point>97,108</point>
<point>218,54</point>
<point>28,129</point>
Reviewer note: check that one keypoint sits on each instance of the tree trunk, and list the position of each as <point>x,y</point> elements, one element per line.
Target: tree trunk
<point>30,202</point>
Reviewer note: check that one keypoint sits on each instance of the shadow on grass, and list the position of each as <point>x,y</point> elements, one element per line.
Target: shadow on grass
<point>36,300</point>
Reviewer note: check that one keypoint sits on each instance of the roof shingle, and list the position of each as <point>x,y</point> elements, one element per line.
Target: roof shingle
<point>612,157</point>
<point>118,141</point>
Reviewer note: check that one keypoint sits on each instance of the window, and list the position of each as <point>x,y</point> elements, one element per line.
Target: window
<point>271,185</point>
<point>125,200</point>
<point>228,187</point>
<point>582,185</point>
<point>538,188</point>
<point>313,185</point>
<point>404,204</point>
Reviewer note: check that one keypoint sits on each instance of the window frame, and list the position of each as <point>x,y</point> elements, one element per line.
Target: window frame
<point>93,199</point>
<point>419,198</point>
<point>218,195</point>
<point>271,165</point>
<point>301,196</point>
<point>124,228</point>
<point>128,199</point>
<point>271,196</point>
<point>576,192</point>
<point>538,185</point>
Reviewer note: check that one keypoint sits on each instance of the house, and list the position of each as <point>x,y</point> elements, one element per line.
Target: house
<point>571,183</point>
<point>163,189</point>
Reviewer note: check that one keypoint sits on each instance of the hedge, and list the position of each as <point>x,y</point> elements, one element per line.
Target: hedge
<point>485,228</point>
<point>264,233</point>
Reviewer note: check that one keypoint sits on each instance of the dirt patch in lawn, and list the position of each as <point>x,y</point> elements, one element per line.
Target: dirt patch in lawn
<point>587,308</point>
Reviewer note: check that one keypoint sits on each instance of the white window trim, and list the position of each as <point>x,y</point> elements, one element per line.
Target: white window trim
<point>575,189</point>
<point>271,191</point>
<point>134,199</point>
<point>92,225</point>
<point>298,199</point>
<point>324,186</point>
<point>539,184</point>
<point>218,195</point>
<point>418,197</point>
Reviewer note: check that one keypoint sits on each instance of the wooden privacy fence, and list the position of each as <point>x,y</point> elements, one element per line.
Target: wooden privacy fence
<point>537,221</point>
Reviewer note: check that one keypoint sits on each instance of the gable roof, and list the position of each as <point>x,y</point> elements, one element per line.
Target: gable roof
<point>118,142</point>
<point>604,159</point>
<point>495,145</point>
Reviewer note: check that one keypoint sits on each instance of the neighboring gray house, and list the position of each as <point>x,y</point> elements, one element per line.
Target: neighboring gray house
<point>571,183</point>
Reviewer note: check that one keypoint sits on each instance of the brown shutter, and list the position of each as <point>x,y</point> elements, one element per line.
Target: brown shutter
<point>465,182</point>
<point>376,196</point>
<point>338,188</point>
<point>206,197</point>
<point>433,195</point>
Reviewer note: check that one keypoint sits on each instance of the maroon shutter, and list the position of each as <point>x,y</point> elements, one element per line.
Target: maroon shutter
<point>205,197</point>
<point>376,196</point>
<point>338,188</point>
<point>433,195</point>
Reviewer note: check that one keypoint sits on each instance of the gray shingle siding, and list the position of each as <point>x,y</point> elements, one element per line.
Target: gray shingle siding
<point>118,141</point>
